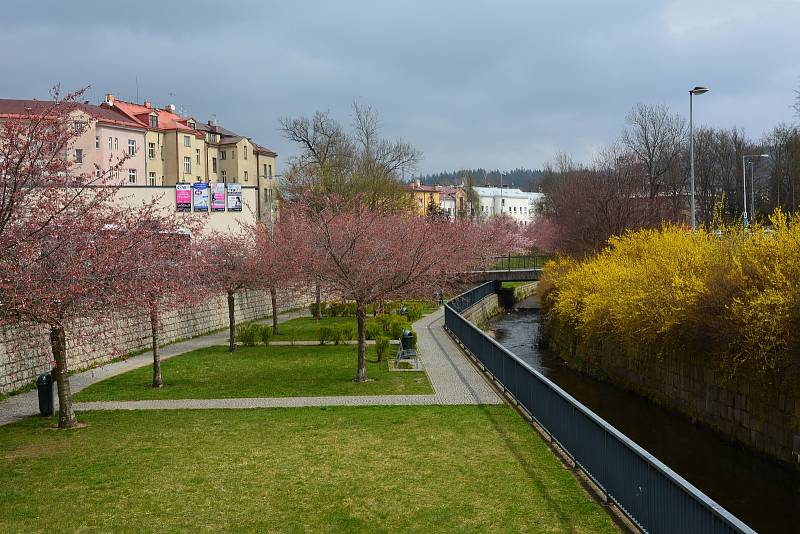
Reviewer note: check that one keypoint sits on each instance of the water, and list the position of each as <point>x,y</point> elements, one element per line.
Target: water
<point>762,492</point>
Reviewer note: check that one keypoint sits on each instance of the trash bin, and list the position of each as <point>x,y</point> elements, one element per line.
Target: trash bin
<point>407,340</point>
<point>44,387</point>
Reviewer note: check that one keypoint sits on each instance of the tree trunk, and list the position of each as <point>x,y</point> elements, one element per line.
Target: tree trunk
<point>154,321</point>
<point>58,342</point>
<point>273,295</point>
<point>361,314</point>
<point>317,310</point>
<point>231,322</point>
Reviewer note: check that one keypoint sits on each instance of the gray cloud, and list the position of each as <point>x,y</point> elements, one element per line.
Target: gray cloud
<point>494,84</point>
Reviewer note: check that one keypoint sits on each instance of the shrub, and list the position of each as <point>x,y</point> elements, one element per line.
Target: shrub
<point>372,329</point>
<point>248,334</point>
<point>264,333</point>
<point>415,311</point>
<point>730,296</point>
<point>382,347</point>
<point>337,334</point>
<point>348,332</point>
<point>312,309</point>
<point>396,326</point>
<point>325,333</point>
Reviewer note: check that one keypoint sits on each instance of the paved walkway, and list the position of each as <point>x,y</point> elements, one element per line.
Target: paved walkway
<point>453,377</point>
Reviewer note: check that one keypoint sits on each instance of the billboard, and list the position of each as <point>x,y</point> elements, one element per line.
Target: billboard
<point>200,196</point>
<point>183,197</point>
<point>234,197</point>
<point>218,197</point>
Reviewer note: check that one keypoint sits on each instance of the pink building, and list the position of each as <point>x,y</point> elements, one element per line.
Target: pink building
<point>107,139</point>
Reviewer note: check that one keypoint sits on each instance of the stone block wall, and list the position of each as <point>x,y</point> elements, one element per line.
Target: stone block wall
<point>25,348</point>
<point>745,408</point>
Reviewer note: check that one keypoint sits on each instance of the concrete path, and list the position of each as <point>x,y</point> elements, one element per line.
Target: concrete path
<point>453,377</point>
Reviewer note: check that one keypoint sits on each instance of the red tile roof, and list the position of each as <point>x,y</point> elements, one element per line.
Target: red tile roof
<point>166,119</point>
<point>13,108</point>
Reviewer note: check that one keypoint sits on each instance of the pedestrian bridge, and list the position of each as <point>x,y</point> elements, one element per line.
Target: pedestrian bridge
<point>507,275</point>
<point>511,268</point>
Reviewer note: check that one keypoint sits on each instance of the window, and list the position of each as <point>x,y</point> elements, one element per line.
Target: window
<point>270,172</point>
<point>265,169</point>
<point>197,155</point>
<point>78,127</point>
<point>131,147</point>
<point>187,141</point>
<point>224,178</point>
<point>116,143</point>
<point>78,155</point>
<point>97,141</point>
<point>213,164</point>
<point>110,143</point>
<point>151,150</point>
<point>151,179</point>
<point>187,164</point>
<point>198,179</point>
<point>245,151</point>
<point>192,125</point>
<point>132,176</point>
<point>153,121</point>
<point>97,173</point>
<point>245,176</point>
<point>222,155</point>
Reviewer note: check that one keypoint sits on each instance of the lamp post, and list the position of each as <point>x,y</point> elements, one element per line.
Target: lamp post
<point>692,92</point>
<point>752,187</point>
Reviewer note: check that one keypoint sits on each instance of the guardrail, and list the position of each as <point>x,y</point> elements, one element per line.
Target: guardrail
<point>649,493</point>
<point>512,262</point>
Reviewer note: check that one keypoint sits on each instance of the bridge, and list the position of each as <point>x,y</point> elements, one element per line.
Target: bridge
<point>512,268</point>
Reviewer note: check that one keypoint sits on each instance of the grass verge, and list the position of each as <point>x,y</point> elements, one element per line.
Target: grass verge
<point>275,371</point>
<point>344,469</point>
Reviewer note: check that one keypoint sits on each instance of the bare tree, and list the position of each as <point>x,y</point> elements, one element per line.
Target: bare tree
<point>656,137</point>
<point>352,163</point>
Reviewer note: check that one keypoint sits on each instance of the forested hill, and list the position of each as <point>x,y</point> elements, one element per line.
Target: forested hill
<point>525,179</point>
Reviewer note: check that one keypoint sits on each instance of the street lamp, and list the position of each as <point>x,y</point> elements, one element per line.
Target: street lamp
<point>752,185</point>
<point>692,92</point>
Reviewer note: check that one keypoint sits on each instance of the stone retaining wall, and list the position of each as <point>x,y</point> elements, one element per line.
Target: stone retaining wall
<point>25,348</point>
<point>743,408</point>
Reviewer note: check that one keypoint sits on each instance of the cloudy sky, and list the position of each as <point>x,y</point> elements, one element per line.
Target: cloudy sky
<point>492,84</point>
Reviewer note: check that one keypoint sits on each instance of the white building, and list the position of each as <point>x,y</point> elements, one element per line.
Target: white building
<point>517,204</point>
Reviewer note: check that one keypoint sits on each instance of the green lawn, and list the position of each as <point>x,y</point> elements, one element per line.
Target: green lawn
<point>344,469</point>
<point>275,371</point>
<point>307,328</point>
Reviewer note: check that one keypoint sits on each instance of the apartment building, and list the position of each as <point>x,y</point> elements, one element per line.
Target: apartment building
<point>519,205</point>
<point>183,149</point>
<point>107,139</point>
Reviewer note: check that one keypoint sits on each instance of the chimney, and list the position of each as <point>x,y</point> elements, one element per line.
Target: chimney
<point>148,104</point>
<point>110,99</point>
<point>212,122</point>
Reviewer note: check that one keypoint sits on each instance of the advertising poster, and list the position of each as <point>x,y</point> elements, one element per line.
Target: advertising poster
<point>183,197</point>
<point>218,197</point>
<point>200,196</point>
<point>234,197</point>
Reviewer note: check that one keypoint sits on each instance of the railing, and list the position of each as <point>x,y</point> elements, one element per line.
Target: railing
<point>648,492</point>
<point>512,262</point>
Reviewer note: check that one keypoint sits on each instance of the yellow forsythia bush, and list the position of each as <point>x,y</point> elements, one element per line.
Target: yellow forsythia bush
<point>732,295</point>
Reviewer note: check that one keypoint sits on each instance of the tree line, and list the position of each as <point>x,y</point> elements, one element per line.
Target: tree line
<point>642,179</point>
<point>525,179</point>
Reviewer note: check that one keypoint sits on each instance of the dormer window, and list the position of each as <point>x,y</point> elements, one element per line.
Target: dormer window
<point>192,124</point>
<point>154,121</point>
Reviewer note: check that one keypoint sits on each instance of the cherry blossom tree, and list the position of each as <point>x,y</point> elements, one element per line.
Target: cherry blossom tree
<point>229,261</point>
<point>368,256</point>
<point>168,274</point>
<point>67,249</point>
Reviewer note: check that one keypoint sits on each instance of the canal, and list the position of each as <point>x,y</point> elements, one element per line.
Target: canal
<point>763,493</point>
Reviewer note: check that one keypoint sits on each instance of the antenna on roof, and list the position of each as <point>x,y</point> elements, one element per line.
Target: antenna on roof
<point>137,88</point>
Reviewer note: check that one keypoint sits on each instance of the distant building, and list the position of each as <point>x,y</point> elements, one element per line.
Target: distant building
<point>453,201</point>
<point>425,197</point>
<point>517,204</point>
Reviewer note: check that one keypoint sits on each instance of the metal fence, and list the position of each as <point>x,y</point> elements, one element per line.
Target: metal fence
<point>653,496</point>
<point>512,262</point>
